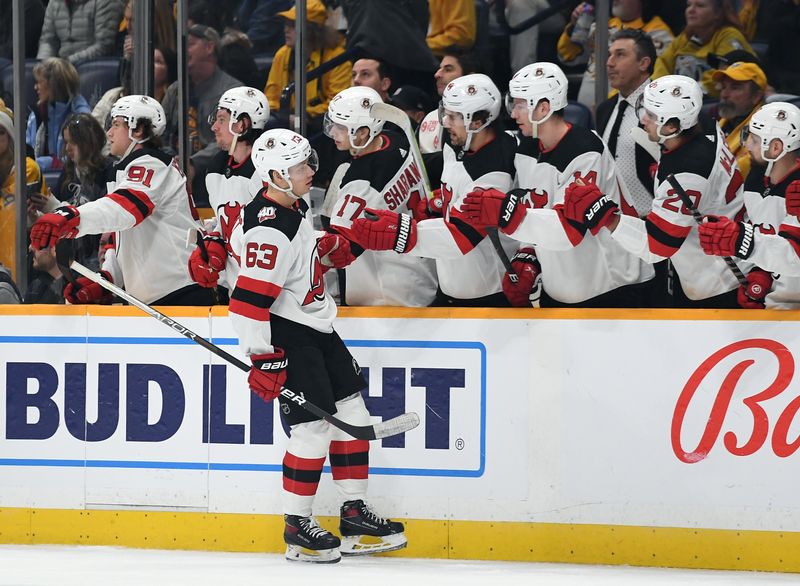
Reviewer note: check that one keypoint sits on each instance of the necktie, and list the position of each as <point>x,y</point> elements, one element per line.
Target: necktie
<point>612,138</point>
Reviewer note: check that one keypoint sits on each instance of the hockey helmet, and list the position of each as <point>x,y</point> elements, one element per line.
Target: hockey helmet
<point>779,120</point>
<point>468,95</point>
<point>668,97</point>
<point>535,82</point>
<point>135,108</point>
<point>350,108</point>
<point>244,100</point>
<point>281,150</point>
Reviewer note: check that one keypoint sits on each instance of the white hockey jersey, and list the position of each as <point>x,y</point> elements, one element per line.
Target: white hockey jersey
<point>575,265</point>
<point>280,273</point>
<point>231,186</point>
<point>430,133</point>
<point>149,208</point>
<point>385,179</point>
<point>466,262</point>
<point>707,171</point>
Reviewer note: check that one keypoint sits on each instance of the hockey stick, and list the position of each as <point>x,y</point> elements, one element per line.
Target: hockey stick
<point>673,181</point>
<point>396,116</point>
<point>394,426</point>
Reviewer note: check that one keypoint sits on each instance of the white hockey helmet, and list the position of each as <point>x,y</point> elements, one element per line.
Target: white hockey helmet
<point>535,82</point>
<point>135,108</point>
<point>280,150</point>
<point>468,95</point>
<point>350,108</point>
<point>668,97</point>
<point>244,100</point>
<point>779,120</point>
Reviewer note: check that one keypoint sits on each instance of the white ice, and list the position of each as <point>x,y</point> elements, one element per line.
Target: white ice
<point>46,565</point>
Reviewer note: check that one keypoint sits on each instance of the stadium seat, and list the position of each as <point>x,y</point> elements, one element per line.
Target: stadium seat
<point>7,79</point>
<point>51,178</point>
<point>791,98</point>
<point>578,114</point>
<point>97,77</point>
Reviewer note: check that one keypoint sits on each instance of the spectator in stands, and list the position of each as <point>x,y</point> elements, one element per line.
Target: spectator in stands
<point>9,294</point>
<point>165,71</point>
<point>86,170</point>
<point>711,27</point>
<point>414,102</point>
<point>163,33</point>
<point>453,23</point>
<point>207,83</point>
<point>47,286</point>
<point>741,93</point>
<point>260,21</point>
<point>626,14</point>
<point>523,46</point>
<point>80,30</point>
<point>374,73</point>
<point>56,83</point>
<point>34,17</point>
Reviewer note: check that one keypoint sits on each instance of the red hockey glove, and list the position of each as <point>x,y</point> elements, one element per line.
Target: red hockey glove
<point>586,205</point>
<point>87,291</point>
<point>528,272</point>
<point>52,227</point>
<point>205,266</point>
<point>491,207</point>
<point>384,230</point>
<point>793,198</point>
<point>268,374</point>
<point>423,209</point>
<point>752,296</point>
<point>334,251</point>
<point>721,236</point>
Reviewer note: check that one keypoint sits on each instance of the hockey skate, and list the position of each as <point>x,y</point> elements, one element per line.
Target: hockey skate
<point>364,532</point>
<point>306,541</point>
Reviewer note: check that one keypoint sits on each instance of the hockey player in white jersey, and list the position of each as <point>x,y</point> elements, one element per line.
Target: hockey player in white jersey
<point>707,171</point>
<point>232,182</point>
<point>576,268</point>
<point>772,195</point>
<point>148,207</point>
<point>381,175</point>
<point>284,319</point>
<point>477,153</point>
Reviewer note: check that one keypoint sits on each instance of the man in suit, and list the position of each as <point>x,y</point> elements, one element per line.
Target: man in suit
<point>631,57</point>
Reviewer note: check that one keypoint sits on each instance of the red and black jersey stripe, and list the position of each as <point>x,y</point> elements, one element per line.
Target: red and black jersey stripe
<point>134,202</point>
<point>350,460</point>
<point>252,298</point>
<point>663,237</point>
<point>301,475</point>
<point>575,231</point>
<point>466,235</point>
<point>792,234</point>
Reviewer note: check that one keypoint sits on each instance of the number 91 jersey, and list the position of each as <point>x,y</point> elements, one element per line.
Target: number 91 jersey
<point>280,273</point>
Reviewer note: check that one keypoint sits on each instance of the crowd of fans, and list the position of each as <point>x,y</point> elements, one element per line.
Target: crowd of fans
<point>741,55</point>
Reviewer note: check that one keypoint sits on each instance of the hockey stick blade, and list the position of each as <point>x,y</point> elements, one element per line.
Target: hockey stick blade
<point>65,254</point>
<point>399,424</point>
<point>687,201</point>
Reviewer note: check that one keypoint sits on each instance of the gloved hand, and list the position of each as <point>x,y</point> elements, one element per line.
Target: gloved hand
<point>268,374</point>
<point>87,291</point>
<point>721,236</point>
<point>759,284</point>
<point>384,230</point>
<point>528,272</point>
<point>206,272</point>
<point>491,207</point>
<point>334,251</point>
<point>52,227</point>
<point>793,198</point>
<point>586,205</point>
<point>423,209</point>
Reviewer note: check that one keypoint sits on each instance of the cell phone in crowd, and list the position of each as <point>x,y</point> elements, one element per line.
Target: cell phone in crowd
<point>33,188</point>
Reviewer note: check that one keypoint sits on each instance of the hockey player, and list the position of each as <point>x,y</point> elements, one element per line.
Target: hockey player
<point>476,154</point>
<point>232,182</point>
<point>772,197</point>
<point>707,171</point>
<point>576,269</point>
<point>147,206</point>
<point>284,320</point>
<point>382,175</point>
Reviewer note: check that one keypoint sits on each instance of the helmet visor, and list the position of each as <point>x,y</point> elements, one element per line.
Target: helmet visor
<point>447,118</point>
<point>312,162</point>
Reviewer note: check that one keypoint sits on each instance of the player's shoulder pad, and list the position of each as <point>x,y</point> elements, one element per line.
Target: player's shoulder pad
<point>145,155</point>
<point>576,142</point>
<point>380,167</point>
<point>697,156</point>
<point>266,213</point>
<point>498,155</point>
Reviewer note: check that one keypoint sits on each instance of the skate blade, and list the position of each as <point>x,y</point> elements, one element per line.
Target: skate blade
<point>295,553</point>
<point>368,544</point>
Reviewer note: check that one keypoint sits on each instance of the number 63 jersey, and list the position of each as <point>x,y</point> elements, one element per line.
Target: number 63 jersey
<point>280,273</point>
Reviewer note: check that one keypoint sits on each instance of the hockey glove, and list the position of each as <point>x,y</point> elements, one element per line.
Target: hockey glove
<point>587,205</point>
<point>752,296</point>
<point>384,230</point>
<point>87,291</point>
<point>792,196</point>
<point>52,227</point>
<point>206,265</point>
<point>721,236</point>
<point>334,251</point>
<point>268,374</point>
<point>423,209</point>
<point>526,266</point>
<point>491,207</point>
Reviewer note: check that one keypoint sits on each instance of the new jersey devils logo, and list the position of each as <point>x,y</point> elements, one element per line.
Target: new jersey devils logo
<point>228,217</point>
<point>316,291</point>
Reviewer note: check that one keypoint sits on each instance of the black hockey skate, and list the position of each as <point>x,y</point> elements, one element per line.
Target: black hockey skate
<point>306,541</point>
<point>364,532</point>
